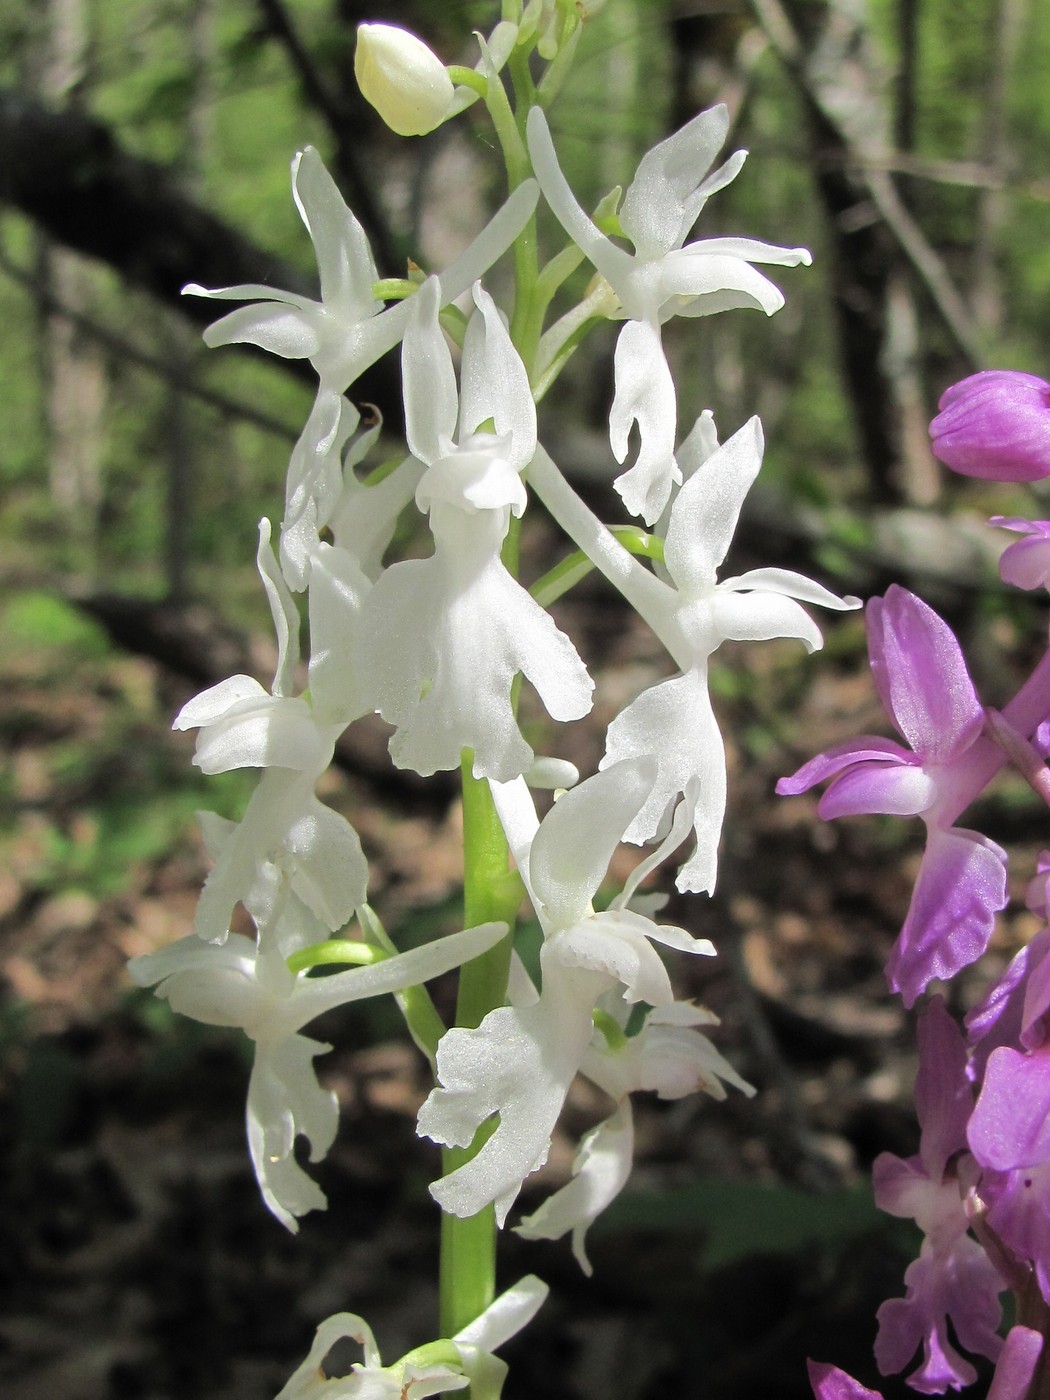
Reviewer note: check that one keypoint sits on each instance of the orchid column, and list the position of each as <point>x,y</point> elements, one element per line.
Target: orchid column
<point>440,646</point>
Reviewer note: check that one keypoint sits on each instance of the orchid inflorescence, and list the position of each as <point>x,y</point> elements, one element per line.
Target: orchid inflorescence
<point>438,646</point>
<point>979,1186</point>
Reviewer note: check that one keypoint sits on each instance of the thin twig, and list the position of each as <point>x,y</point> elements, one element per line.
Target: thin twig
<point>776,22</point>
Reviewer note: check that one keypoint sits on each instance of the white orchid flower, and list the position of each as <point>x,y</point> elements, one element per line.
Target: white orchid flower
<point>664,277</point>
<point>670,1057</point>
<point>348,329</point>
<point>238,984</point>
<point>244,726</point>
<point>520,1061</point>
<point>462,1360</point>
<point>445,636</point>
<point>674,720</point>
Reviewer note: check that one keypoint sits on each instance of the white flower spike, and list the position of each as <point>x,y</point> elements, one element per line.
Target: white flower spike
<point>664,277</point>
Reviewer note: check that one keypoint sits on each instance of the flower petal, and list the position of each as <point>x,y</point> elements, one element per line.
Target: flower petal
<point>707,508</point>
<point>575,842</point>
<point>645,394</point>
<point>599,1173</point>
<point>960,889</point>
<point>661,203</point>
<point>921,675</point>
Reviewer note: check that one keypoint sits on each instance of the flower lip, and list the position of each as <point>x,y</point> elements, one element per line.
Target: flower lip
<point>995,424</point>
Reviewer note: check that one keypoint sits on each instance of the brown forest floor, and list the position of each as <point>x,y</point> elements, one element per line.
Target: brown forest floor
<point>136,1259</point>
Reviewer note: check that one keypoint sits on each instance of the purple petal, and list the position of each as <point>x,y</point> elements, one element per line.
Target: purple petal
<point>921,676</point>
<point>1037,992</point>
<point>1026,563</point>
<point>960,889</point>
<point>867,748</point>
<point>1010,1126</point>
<point>1013,1374</point>
<point>943,1099</point>
<point>900,790</point>
<point>1019,1212</point>
<point>829,1383</point>
<point>961,1286</point>
<point>995,424</point>
<point>997,1018</point>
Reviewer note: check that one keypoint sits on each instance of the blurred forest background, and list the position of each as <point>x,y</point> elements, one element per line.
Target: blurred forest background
<point>145,144</point>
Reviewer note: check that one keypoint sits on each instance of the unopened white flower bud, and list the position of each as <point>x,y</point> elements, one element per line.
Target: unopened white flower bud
<point>404,80</point>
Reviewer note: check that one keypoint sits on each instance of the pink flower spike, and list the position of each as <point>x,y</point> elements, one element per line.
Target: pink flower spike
<point>1026,562</point>
<point>829,1383</point>
<point>996,425</point>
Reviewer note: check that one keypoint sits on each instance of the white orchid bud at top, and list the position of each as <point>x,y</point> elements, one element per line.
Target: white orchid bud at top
<point>404,80</point>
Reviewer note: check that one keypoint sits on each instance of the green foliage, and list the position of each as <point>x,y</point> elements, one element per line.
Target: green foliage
<point>738,1219</point>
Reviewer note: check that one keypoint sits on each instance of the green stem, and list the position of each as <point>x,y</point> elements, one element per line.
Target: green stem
<point>491,891</point>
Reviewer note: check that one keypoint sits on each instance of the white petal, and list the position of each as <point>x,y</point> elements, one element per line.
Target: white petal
<point>616,943</point>
<point>275,733</point>
<point>344,257</point>
<point>429,380</point>
<point>701,443</point>
<point>314,482</point>
<point>513,1310</point>
<point>365,516</point>
<point>645,394</point>
<point>674,723</point>
<point>752,250</point>
<point>659,207</point>
<point>285,1102</point>
<point>338,589</point>
<point>576,839</point>
<point>496,383</point>
<point>276,326</point>
<point>695,281</point>
<point>707,508</point>
<point>218,700</point>
<point>283,611</point>
<point>328,869</point>
<point>305,1383</point>
<point>758,617</point>
<point>463,629</point>
<point>519,1064</point>
<point>599,1173</point>
<point>792,585</point>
